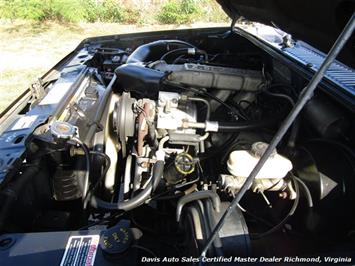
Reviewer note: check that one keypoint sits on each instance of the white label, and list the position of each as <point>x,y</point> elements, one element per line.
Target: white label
<point>24,122</point>
<point>56,93</point>
<point>80,251</point>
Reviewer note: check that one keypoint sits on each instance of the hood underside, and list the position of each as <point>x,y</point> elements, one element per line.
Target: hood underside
<point>317,22</point>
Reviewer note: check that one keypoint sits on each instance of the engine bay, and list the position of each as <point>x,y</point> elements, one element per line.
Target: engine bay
<point>146,141</point>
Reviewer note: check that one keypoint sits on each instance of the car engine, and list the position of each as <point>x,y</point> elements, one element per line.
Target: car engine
<point>152,139</point>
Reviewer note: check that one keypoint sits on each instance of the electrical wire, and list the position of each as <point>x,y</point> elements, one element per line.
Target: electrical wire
<point>178,50</point>
<point>147,250</point>
<point>232,109</point>
<point>284,220</point>
<point>184,51</point>
<point>177,59</point>
<point>87,164</point>
<point>283,86</point>
<point>102,176</point>
<point>281,95</point>
<point>306,190</point>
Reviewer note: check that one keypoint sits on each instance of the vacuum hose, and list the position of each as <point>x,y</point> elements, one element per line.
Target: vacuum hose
<point>245,125</point>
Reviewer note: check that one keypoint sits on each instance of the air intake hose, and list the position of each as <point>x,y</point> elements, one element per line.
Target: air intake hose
<point>153,50</point>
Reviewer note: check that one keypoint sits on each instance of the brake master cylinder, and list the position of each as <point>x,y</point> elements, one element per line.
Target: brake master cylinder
<point>270,177</point>
<point>242,162</point>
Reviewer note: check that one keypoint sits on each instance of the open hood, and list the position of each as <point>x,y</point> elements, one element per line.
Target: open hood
<point>317,22</point>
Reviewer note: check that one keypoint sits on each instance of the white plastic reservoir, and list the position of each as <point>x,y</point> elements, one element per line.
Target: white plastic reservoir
<point>242,162</point>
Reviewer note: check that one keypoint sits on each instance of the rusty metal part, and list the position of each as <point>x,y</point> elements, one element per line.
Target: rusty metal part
<point>143,127</point>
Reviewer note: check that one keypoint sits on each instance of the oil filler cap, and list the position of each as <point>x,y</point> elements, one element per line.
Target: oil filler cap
<point>184,163</point>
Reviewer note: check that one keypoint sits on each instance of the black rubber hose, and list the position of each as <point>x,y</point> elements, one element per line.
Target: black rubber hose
<point>150,50</point>
<point>183,51</point>
<point>139,199</point>
<point>290,213</point>
<point>95,124</point>
<point>14,190</point>
<point>176,52</point>
<point>306,191</point>
<point>205,194</point>
<point>245,125</point>
<point>212,223</point>
<point>102,176</point>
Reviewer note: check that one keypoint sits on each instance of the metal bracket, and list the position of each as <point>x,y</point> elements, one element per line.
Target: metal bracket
<point>37,89</point>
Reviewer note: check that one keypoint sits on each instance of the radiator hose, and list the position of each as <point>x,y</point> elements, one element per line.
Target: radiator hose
<point>137,200</point>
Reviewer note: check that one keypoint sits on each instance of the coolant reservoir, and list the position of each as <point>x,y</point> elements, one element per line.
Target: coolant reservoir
<point>241,163</point>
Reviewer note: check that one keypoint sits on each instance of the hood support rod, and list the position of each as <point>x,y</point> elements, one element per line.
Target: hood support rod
<point>305,96</point>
